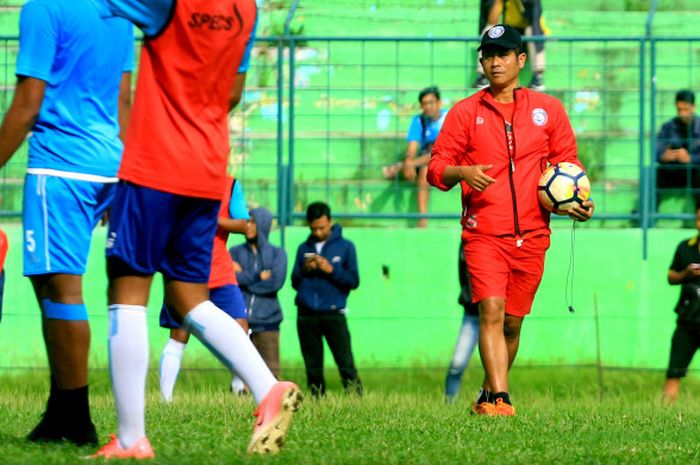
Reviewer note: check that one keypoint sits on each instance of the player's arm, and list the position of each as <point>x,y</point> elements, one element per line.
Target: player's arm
<point>239,81</point>
<point>20,117</point>
<point>445,168</point>
<point>238,216</point>
<point>151,16</point>
<point>124,104</point>
<point>562,148</point>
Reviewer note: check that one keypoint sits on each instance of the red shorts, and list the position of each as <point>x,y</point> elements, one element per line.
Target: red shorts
<point>499,268</point>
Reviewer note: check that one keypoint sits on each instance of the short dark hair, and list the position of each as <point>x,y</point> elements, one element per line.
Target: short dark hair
<point>317,210</point>
<point>428,91</point>
<point>685,95</point>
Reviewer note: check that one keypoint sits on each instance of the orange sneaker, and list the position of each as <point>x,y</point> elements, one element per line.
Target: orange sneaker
<point>141,449</point>
<point>502,409</point>
<point>274,415</point>
<point>487,409</point>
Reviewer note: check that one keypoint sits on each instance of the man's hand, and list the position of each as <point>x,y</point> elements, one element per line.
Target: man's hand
<point>692,271</point>
<point>324,265</point>
<point>582,212</point>
<point>265,275</point>
<point>680,155</point>
<point>476,178</point>
<point>409,170</point>
<point>237,267</point>
<point>310,263</point>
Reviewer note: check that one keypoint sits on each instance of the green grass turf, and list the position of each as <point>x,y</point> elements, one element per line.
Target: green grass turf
<point>402,419</point>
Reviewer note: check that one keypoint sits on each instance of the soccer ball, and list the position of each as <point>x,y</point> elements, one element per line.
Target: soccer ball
<point>562,186</point>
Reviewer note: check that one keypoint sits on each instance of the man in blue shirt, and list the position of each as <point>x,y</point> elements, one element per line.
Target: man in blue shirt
<point>678,150</point>
<point>73,91</point>
<point>422,133</point>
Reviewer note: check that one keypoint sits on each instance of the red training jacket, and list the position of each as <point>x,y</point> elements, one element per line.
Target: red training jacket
<point>474,133</point>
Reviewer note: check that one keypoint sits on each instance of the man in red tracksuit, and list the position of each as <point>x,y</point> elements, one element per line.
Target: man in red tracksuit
<point>496,144</point>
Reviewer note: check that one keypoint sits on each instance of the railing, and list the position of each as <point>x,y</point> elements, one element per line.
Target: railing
<point>322,115</point>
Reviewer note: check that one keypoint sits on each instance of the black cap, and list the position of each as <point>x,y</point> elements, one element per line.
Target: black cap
<point>503,36</point>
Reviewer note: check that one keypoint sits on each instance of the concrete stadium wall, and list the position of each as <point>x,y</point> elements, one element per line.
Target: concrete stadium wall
<point>412,317</point>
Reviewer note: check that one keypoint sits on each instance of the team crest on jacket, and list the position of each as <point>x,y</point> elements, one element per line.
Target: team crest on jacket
<point>539,117</point>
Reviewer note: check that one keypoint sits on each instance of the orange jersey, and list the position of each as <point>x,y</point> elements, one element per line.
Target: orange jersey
<point>177,140</point>
<point>4,247</point>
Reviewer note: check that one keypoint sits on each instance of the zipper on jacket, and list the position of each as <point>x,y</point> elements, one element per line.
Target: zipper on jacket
<point>252,302</point>
<point>509,128</point>
<point>511,159</point>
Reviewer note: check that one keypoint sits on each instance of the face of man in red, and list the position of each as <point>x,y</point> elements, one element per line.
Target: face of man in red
<point>321,228</point>
<point>502,66</point>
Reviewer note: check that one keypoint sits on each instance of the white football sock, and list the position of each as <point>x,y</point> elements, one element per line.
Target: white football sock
<point>230,344</point>
<point>237,385</point>
<point>170,362</point>
<point>128,366</point>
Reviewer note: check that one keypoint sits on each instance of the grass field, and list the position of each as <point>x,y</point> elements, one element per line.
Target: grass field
<point>402,419</point>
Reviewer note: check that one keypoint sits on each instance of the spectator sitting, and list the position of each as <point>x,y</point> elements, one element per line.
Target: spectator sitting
<point>422,133</point>
<point>678,149</point>
<point>526,17</point>
<point>261,269</point>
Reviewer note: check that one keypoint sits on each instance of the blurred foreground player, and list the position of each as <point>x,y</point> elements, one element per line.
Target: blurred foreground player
<point>73,91</point>
<point>172,180</point>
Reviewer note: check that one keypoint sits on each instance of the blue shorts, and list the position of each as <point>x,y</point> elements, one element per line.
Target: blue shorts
<point>152,230</point>
<point>228,298</point>
<point>58,216</point>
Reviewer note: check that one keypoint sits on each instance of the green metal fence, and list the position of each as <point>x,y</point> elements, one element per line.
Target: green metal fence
<point>322,115</point>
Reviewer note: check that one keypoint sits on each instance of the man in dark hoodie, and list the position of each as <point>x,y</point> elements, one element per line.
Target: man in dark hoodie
<point>261,269</point>
<point>325,271</point>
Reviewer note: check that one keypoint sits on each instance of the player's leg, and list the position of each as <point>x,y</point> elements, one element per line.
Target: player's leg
<point>683,348</point>
<point>230,299</point>
<point>423,194</point>
<point>310,335</point>
<point>492,343</point>
<point>186,269</point>
<point>59,216</point>
<point>489,269</point>
<point>171,358</point>
<point>511,330</point>
<point>337,333</point>
<point>536,50</point>
<point>136,241</point>
<point>466,341</point>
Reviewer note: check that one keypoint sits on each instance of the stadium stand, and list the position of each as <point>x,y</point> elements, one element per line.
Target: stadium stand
<point>353,99</point>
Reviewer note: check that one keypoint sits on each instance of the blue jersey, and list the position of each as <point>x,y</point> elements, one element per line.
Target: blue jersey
<point>81,51</point>
<point>426,131</point>
<point>151,16</point>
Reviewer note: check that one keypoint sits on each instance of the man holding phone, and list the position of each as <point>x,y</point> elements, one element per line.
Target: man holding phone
<point>684,272</point>
<point>324,273</point>
<point>678,151</point>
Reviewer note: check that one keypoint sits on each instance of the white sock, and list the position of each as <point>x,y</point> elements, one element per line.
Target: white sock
<point>170,362</point>
<point>128,366</point>
<point>230,344</point>
<point>237,385</point>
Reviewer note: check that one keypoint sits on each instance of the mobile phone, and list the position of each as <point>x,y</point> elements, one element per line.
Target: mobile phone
<point>695,266</point>
<point>309,255</point>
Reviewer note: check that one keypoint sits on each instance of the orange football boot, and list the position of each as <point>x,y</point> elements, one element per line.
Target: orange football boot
<point>141,449</point>
<point>274,414</point>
